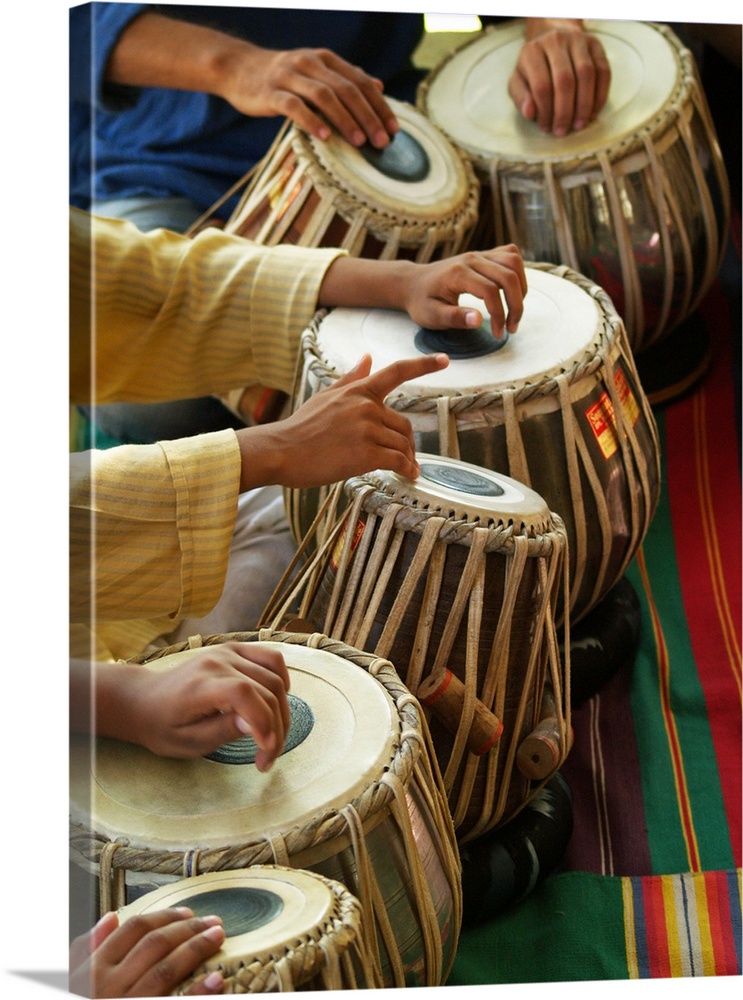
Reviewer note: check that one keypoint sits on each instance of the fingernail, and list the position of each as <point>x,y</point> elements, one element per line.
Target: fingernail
<point>213,920</point>
<point>560,132</point>
<point>324,132</point>
<point>243,726</point>
<point>472,318</point>
<point>393,126</point>
<point>442,359</point>
<point>184,911</point>
<point>381,139</point>
<point>579,125</point>
<point>213,982</point>
<point>215,933</point>
<point>358,138</point>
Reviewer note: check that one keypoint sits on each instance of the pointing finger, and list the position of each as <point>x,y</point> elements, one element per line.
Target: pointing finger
<point>387,379</point>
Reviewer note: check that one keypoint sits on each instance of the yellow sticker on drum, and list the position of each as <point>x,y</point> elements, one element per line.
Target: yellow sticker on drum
<point>338,549</point>
<point>600,414</point>
<point>626,396</point>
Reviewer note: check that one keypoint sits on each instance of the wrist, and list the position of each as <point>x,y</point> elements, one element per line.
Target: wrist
<point>537,26</point>
<point>368,284</point>
<point>262,452</point>
<point>226,62</point>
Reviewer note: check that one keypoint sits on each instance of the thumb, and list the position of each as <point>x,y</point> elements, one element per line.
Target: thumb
<point>360,370</point>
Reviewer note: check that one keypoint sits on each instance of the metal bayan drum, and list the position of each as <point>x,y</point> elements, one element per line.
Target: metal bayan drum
<point>455,578</point>
<point>558,408</point>
<point>284,929</point>
<point>417,199</point>
<point>638,201</point>
<point>356,796</point>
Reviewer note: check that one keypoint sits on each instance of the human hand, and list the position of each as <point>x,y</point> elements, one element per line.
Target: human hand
<point>434,290</point>
<point>220,694</point>
<point>346,429</point>
<point>562,76</point>
<point>315,88</point>
<point>146,956</point>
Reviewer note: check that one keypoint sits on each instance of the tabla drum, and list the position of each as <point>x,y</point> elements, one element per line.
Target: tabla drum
<point>455,578</point>
<point>558,407</point>
<point>356,796</point>
<point>416,199</point>
<point>285,929</point>
<point>638,201</point>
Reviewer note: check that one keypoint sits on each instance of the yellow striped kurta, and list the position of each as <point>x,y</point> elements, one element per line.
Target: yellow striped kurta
<point>156,316</point>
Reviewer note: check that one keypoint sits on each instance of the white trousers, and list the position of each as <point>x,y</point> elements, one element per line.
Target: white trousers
<point>262,547</point>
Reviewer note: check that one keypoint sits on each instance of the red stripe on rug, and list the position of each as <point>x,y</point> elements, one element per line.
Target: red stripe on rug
<point>706,516</point>
<point>659,959</point>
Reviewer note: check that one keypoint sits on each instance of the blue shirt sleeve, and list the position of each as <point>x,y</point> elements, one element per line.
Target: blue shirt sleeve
<point>95,28</point>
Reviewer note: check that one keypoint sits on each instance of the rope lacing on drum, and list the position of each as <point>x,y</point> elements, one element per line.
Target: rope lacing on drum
<point>457,402</point>
<point>454,530</point>
<point>353,207</point>
<point>335,949</point>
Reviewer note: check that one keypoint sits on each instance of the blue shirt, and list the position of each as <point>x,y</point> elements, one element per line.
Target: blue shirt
<point>160,142</point>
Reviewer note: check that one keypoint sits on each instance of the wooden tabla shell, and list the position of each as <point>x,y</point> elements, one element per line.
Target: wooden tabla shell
<point>638,201</point>
<point>286,929</point>
<point>558,408</point>
<point>359,799</point>
<point>313,193</point>
<point>459,571</point>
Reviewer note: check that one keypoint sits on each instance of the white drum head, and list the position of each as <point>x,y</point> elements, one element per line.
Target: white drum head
<point>468,95</point>
<point>265,910</point>
<point>465,491</point>
<point>351,727</point>
<point>560,324</point>
<point>440,193</point>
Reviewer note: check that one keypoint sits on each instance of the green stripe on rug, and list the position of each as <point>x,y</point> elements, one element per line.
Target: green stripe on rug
<point>570,928</point>
<point>685,814</point>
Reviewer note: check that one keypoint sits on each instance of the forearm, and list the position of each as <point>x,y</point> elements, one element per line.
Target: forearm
<point>103,699</point>
<point>367,284</point>
<point>159,51</point>
<point>81,684</point>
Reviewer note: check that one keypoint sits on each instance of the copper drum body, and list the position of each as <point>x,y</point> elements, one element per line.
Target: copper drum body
<point>285,929</point>
<point>455,577</point>
<point>558,407</point>
<point>355,797</point>
<point>638,201</point>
